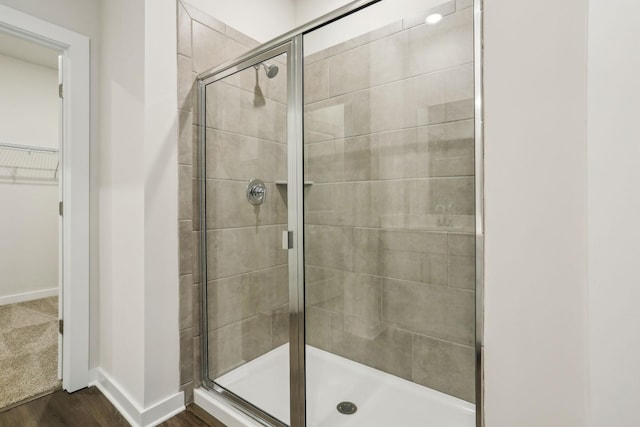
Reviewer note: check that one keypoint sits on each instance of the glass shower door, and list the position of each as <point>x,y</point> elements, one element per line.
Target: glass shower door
<point>245,200</point>
<point>390,218</point>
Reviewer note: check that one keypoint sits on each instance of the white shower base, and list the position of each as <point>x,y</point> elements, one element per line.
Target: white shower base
<point>383,400</point>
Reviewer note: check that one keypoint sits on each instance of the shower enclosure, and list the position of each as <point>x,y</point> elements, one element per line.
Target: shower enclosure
<point>340,209</point>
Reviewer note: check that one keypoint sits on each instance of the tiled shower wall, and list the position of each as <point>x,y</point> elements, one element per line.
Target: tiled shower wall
<point>203,42</point>
<point>248,290</point>
<point>390,248</point>
<point>389,142</point>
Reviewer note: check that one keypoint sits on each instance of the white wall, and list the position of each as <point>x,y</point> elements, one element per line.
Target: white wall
<point>139,344</point>
<point>122,195</point>
<point>28,103</point>
<point>162,358</point>
<point>261,20</point>
<point>614,212</point>
<point>28,238</point>
<point>29,218</point>
<point>134,292</point>
<point>308,10</point>
<point>536,222</point>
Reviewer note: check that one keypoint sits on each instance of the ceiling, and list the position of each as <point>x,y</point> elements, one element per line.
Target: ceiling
<point>26,50</point>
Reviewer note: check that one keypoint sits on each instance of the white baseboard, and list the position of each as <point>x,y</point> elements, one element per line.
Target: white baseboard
<point>221,410</point>
<point>28,296</point>
<point>130,410</point>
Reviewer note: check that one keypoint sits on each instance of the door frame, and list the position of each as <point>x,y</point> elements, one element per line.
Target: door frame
<point>294,176</point>
<point>74,147</point>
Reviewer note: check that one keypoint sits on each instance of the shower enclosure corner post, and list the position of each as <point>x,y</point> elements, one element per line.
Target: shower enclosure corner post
<point>202,180</point>
<point>478,56</point>
<point>296,222</point>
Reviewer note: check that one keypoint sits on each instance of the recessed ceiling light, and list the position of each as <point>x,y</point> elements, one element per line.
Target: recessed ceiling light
<point>434,18</point>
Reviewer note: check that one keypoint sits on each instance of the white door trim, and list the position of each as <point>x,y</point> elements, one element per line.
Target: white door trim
<point>75,185</point>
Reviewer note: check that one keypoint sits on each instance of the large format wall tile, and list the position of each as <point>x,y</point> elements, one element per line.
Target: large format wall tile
<point>280,325</point>
<point>243,250</point>
<point>185,192</point>
<point>211,48</point>
<point>459,83</point>
<point>363,304</point>
<point>185,231</point>
<point>463,4</point>
<point>238,157</point>
<point>185,141</point>
<point>239,297</point>
<point>431,310</point>
<point>442,46</point>
<point>328,119</point>
<point>186,298</point>
<point>406,255</point>
<point>184,31</point>
<point>446,150</point>
<point>462,261</point>
<point>322,328</point>
<point>325,161</point>
<point>186,356</point>
<point>185,83</point>
<point>328,204</point>
<point>454,196</point>
<point>316,81</point>
<point>323,286</point>
<point>424,99</point>
<point>330,247</point>
<point>349,71</point>
<point>389,58</point>
<point>444,366</point>
<point>389,350</point>
<point>383,204</point>
<point>232,109</point>
<point>238,343</point>
<point>228,206</point>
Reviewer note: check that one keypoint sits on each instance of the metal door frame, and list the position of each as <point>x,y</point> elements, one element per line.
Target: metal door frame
<point>293,140</point>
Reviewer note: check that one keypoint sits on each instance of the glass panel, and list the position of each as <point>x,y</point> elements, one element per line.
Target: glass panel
<point>389,217</point>
<point>246,214</point>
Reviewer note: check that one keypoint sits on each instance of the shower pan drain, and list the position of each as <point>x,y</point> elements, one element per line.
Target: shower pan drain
<point>347,408</point>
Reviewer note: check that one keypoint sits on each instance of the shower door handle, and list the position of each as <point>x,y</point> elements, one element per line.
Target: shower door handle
<point>287,240</point>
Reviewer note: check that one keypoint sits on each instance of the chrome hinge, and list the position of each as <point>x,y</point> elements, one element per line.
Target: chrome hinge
<point>61,90</point>
<point>61,326</point>
<point>60,208</point>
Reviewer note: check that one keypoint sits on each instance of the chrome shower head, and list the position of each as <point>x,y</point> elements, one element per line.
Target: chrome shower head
<point>270,70</point>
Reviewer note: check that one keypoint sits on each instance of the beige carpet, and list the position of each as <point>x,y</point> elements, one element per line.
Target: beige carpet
<point>28,350</point>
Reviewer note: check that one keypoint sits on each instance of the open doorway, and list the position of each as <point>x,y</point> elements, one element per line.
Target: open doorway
<point>73,181</point>
<point>30,226</point>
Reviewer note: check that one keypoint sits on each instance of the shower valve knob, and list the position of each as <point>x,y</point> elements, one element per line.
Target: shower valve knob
<point>256,192</point>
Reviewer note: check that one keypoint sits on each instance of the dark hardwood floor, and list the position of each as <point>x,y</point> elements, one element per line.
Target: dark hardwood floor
<point>87,408</point>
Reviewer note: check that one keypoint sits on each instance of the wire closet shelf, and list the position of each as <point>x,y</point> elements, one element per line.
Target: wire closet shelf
<point>25,164</point>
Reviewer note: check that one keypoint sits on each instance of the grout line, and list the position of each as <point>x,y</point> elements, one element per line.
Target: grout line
<point>261,270</point>
<point>257,138</point>
<point>403,79</point>
<point>391,131</point>
<point>249,227</point>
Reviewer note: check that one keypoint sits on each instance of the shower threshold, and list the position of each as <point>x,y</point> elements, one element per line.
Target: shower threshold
<point>382,399</point>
